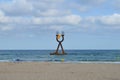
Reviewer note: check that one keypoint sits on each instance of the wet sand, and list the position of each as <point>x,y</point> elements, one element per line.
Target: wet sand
<point>59,71</point>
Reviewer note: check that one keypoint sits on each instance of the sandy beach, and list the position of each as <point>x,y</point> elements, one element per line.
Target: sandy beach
<point>59,71</point>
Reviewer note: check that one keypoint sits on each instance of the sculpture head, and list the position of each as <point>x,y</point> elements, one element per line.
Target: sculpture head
<point>60,37</point>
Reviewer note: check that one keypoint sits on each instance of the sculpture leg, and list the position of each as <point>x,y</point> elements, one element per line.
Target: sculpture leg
<point>62,48</point>
<point>57,49</point>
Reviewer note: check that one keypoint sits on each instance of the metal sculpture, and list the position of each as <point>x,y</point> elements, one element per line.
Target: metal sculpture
<point>58,36</point>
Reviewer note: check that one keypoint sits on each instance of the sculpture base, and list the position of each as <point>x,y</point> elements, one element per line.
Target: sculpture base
<point>57,54</point>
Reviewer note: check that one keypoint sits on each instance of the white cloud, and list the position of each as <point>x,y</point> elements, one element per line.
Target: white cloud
<point>72,19</point>
<point>64,20</point>
<point>17,7</point>
<point>1,13</point>
<point>14,20</point>
<point>52,22</point>
<point>111,20</point>
<point>100,23</point>
<point>53,12</point>
<point>34,8</point>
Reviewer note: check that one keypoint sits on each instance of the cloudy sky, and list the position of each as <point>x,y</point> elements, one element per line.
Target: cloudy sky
<point>32,24</point>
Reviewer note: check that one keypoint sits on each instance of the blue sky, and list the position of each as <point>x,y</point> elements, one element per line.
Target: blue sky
<point>32,24</point>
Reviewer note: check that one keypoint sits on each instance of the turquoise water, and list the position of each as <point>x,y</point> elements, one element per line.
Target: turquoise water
<point>72,56</point>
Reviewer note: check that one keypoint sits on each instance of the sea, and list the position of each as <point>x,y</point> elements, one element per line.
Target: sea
<point>73,56</point>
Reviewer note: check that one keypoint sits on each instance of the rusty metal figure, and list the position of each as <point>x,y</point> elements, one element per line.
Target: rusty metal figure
<point>59,45</point>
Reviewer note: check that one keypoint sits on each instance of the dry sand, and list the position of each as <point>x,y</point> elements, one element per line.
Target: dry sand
<point>58,71</point>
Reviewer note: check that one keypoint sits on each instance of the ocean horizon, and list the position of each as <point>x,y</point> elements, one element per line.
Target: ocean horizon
<point>73,56</point>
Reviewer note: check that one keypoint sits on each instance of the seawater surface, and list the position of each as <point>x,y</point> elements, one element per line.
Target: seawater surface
<point>72,56</point>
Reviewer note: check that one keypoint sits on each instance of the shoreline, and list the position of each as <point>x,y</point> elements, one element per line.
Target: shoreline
<point>73,62</point>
